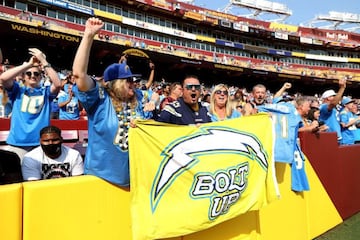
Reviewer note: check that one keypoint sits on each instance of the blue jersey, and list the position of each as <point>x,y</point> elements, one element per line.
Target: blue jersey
<point>330,119</point>
<point>178,112</point>
<point>347,133</point>
<point>31,113</point>
<point>286,121</point>
<point>357,134</point>
<point>234,114</point>
<point>299,180</point>
<point>5,110</point>
<point>145,96</point>
<point>107,153</point>
<point>71,110</point>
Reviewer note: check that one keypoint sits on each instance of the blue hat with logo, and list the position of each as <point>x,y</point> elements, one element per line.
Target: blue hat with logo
<point>346,100</point>
<point>118,71</point>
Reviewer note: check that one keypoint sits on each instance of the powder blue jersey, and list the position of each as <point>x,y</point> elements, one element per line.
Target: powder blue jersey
<point>330,119</point>
<point>299,180</point>
<point>71,110</point>
<point>107,153</point>
<point>31,113</point>
<point>234,114</point>
<point>347,133</point>
<point>286,121</point>
<point>5,110</point>
<point>357,135</point>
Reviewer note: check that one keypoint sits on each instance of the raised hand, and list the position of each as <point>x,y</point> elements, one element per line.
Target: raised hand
<point>38,57</point>
<point>151,65</point>
<point>287,85</point>
<point>342,82</point>
<point>93,26</point>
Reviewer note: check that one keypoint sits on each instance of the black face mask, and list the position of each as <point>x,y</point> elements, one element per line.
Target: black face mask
<point>52,150</point>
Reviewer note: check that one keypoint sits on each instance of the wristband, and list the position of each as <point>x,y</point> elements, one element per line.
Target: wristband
<point>47,66</point>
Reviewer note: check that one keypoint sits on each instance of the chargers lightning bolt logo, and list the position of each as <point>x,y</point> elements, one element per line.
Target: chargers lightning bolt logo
<point>182,154</point>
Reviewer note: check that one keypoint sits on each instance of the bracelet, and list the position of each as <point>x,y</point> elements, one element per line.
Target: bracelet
<point>47,66</point>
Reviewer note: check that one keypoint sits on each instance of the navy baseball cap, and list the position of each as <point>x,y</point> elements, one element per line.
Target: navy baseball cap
<point>118,71</point>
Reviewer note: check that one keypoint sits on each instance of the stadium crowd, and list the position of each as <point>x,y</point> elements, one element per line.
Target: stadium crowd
<point>114,101</point>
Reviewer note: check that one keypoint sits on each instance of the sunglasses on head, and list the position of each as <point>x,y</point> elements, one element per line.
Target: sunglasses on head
<point>191,86</point>
<point>29,73</point>
<point>225,92</point>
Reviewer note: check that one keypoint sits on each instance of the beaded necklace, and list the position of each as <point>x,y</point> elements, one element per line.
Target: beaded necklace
<point>124,116</point>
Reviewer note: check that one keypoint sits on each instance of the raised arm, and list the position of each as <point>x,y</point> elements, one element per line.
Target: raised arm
<point>285,87</point>
<point>54,77</point>
<point>338,97</point>
<point>151,77</point>
<point>7,77</point>
<point>81,61</point>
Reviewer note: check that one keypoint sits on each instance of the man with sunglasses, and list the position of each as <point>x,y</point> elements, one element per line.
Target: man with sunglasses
<point>31,102</point>
<point>187,109</point>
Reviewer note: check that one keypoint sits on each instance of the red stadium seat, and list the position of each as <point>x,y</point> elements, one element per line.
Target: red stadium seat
<point>70,137</point>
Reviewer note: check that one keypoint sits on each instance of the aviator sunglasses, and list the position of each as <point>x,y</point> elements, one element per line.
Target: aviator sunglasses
<point>29,73</point>
<point>225,92</point>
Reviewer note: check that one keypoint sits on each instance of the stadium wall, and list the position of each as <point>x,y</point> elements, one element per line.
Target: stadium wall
<point>86,207</point>
<point>337,168</point>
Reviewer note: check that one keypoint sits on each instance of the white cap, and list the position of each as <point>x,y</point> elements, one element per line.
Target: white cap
<point>328,93</point>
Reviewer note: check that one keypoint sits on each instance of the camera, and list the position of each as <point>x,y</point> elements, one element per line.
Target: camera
<point>321,123</point>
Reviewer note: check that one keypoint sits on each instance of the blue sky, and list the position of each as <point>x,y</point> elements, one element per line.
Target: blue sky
<point>302,10</point>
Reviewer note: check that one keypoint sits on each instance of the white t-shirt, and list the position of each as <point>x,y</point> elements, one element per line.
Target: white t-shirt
<point>36,165</point>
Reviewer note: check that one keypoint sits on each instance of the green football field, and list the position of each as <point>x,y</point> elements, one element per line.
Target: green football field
<point>348,230</point>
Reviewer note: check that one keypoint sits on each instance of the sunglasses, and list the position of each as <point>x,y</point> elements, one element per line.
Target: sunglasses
<point>191,86</point>
<point>29,73</point>
<point>225,92</point>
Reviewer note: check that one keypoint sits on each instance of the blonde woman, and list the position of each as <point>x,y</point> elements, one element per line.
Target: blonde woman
<point>220,104</point>
<point>111,108</point>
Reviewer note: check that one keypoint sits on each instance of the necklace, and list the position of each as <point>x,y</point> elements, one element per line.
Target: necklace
<point>125,115</point>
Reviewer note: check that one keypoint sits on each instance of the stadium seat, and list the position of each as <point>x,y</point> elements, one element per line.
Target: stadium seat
<point>70,137</point>
<point>83,136</point>
<point>83,142</point>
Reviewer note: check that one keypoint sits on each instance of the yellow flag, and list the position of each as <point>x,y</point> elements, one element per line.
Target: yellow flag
<point>186,178</point>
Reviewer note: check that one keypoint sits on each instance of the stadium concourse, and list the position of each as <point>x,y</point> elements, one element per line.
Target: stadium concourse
<point>168,67</point>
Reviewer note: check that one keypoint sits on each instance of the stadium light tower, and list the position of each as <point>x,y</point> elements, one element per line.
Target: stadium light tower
<point>261,7</point>
<point>337,19</point>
